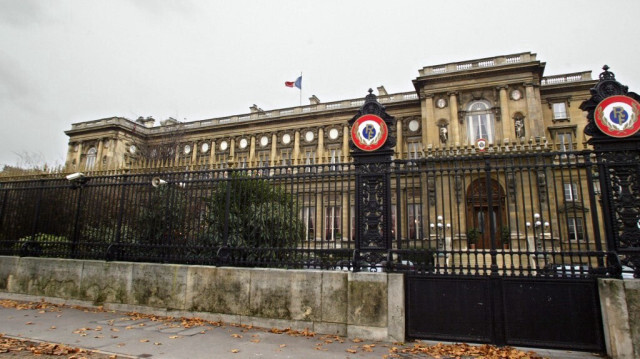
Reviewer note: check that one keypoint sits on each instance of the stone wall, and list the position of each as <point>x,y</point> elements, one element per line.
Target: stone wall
<point>620,304</point>
<point>363,305</point>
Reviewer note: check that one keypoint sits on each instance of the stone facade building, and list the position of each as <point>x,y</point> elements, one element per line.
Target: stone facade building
<point>502,104</point>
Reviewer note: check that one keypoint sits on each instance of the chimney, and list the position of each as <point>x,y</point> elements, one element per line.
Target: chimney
<point>146,122</point>
<point>313,100</point>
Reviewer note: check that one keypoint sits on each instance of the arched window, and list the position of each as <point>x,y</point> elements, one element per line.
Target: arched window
<point>480,122</point>
<point>91,158</point>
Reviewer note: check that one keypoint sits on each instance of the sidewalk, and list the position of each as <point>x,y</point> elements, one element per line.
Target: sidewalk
<point>144,336</point>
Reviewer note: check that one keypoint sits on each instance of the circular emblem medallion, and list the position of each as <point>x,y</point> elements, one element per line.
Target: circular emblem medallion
<point>617,116</point>
<point>369,132</point>
<point>481,143</point>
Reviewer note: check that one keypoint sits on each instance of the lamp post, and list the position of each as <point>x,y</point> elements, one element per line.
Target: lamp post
<point>539,228</point>
<point>440,229</point>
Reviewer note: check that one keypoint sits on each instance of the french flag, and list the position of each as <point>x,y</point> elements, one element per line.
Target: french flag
<point>297,83</point>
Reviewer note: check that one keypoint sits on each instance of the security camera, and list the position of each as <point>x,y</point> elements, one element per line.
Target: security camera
<point>76,177</point>
<point>157,182</point>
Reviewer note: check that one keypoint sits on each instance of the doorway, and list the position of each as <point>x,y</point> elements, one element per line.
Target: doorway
<point>484,212</point>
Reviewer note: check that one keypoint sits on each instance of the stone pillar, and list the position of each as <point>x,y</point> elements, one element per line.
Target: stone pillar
<point>232,149</point>
<point>194,152</point>
<point>320,155</point>
<point>79,156</point>
<point>508,131</point>
<point>399,143</point>
<point>296,148</point>
<point>428,117</point>
<point>273,149</point>
<point>534,115</point>
<point>212,155</point>
<point>252,152</point>
<point>98,164</point>
<point>454,124</point>
<point>345,144</point>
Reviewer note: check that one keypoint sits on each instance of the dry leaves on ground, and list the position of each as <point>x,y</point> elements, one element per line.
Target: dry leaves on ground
<point>463,350</point>
<point>24,348</point>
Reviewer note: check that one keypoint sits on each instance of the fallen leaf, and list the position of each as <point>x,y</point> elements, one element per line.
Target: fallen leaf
<point>236,335</point>
<point>352,351</point>
<point>144,340</point>
<point>157,343</point>
<point>282,345</point>
<point>174,337</point>
<point>235,350</point>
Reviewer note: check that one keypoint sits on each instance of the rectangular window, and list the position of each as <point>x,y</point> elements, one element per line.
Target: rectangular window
<point>263,163</point>
<point>570,192</point>
<point>309,159</point>
<point>332,223</point>
<point>242,160</point>
<point>414,221</point>
<point>564,141</point>
<point>576,229</point>
<point>334,157</point>
<point>559,111</point>
<point>413,151</point>
<point>308,218</point>
<point>222,160</point>
<point>285,157</point>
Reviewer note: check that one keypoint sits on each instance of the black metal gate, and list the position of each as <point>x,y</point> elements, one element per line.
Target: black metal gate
<point>506,311</point>
<point>511,244</point>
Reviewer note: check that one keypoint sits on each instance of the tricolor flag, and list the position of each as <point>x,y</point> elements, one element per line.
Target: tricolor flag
<point>297,83</point>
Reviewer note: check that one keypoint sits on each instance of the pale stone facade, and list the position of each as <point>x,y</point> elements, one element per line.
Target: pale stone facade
<point>505,99</point>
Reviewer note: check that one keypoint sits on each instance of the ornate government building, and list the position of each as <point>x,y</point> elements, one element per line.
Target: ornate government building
<point>505,100</point>
<point>502,104</point>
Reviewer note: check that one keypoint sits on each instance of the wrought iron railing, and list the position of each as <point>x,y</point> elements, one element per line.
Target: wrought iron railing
<point>506,214</point>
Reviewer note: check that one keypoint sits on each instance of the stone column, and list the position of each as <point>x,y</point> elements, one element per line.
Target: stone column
<point>78,156</point>
<point>212,154</point>
<point>273,149</point>
<point>232,149</point>
<point>399,142</point>
<point>454,124</point>
<point>194,152</point>
<point>508,131</point>
<point>320,155</point>
<point>428,117</point>
<point>98,164</point>
<point>535,124</point>
<point>296,148</point>
<point>252,152</point>
<point>345,144</point>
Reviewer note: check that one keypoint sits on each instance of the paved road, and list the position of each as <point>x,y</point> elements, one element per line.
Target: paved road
<point>142,337</point>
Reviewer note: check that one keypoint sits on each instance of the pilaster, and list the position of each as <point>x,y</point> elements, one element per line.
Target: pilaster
<point>454,132</point>
<point>508,132</point>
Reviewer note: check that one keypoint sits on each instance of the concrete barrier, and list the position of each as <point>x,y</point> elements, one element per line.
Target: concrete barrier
<point>620,304</point>
<point>357,305</point>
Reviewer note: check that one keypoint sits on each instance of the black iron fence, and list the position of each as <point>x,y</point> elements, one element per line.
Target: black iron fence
<point>506,214</point>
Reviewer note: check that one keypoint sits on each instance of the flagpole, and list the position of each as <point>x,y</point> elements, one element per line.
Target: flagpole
<point>301,89</point>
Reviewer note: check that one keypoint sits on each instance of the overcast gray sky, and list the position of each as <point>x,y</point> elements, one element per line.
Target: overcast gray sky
<point>67,61</point>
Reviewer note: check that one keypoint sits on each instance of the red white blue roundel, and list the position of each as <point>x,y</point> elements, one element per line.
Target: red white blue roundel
<point>481,143</point>
<point>369,132</point>
<point>617,116</point>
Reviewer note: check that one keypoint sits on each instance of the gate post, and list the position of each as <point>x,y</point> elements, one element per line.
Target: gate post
<point>371,148</point>
<point>613,124</point>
